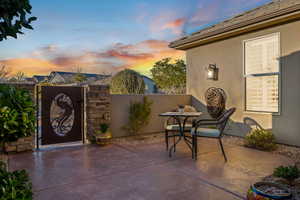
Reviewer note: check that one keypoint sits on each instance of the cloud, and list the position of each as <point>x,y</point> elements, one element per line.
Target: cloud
<point>51,48</point>
<point>214,11</point>
<point>199,14</point>
<point>175,26</point>
<point>29,65</point>
<point>139,56</point>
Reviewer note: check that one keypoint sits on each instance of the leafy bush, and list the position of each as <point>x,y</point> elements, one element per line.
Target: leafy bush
<point>17,114</point>
<point>139,116</point>
<point>290,172</point>
<point>103,127</point>
<point>261,139</point>
<point>14,185</point>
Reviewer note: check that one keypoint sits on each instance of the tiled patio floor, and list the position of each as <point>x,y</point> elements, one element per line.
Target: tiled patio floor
<point>143,171</point>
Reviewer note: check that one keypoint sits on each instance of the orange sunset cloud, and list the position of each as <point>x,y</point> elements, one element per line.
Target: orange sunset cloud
<point>140,56</point>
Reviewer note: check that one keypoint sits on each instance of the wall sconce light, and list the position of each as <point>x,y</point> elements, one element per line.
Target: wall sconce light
<point>212,72</point>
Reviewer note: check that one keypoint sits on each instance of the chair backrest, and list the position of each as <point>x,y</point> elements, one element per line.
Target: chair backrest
<point>215,101</point>
<point>224,119</point>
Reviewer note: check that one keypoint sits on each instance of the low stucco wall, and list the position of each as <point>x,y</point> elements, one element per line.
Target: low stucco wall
<point>228,55</point>
<point>161,103</point>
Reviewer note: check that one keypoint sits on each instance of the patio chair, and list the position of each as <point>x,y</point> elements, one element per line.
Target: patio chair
<point>171,126</point>
<point>199,130</point>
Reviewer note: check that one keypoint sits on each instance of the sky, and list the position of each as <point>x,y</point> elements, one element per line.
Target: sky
<point>106,36</point>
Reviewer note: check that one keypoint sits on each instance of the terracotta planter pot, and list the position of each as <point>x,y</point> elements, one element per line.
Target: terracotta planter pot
<point>104,138</point>
<point>255,193</point>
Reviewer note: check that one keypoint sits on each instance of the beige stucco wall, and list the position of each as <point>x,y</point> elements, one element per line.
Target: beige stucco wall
<point>228,55</point>
<point>161,103</point>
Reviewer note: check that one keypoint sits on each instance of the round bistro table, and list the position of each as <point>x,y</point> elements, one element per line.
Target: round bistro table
<point>181,119</point>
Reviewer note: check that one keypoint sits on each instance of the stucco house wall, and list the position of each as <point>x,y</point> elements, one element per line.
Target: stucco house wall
<point>228,55</point>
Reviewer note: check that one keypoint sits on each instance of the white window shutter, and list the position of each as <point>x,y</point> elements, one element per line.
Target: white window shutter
<point>262,55</point>
<point>262,74</point>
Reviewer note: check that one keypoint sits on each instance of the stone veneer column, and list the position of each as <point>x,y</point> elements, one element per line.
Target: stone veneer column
<point>98,108</point>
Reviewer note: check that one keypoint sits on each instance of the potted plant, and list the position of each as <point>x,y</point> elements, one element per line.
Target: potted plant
<point>268,191</point>
<point>103,135</point>
<point>282,184</point>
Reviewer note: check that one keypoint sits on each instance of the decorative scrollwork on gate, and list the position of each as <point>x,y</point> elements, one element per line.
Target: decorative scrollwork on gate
<point>216,101</point>
<point>62,114</point>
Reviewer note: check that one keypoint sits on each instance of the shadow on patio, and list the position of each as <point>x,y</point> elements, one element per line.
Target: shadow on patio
<point>141,169</point>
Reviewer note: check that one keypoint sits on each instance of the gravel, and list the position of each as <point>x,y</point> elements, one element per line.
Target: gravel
<point>285,150</point>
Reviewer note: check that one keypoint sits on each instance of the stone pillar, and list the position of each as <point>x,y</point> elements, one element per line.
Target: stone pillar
<point>98,108</point>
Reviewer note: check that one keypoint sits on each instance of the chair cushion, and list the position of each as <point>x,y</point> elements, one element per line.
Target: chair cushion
<point>206,132</point>
<point>175,127</point>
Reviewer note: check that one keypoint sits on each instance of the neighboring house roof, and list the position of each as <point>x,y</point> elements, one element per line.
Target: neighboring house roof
<point>274,13</point>
<point>39,78</point>
<point>68,77</point>
<point>147,78</point>
<point>29,79</point>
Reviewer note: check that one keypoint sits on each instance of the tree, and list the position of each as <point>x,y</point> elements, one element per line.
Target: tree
<point>170,77</point>
<point>13,17</point>
<point>127,82</point>
<point>18,77</point>
<point>4,72</point>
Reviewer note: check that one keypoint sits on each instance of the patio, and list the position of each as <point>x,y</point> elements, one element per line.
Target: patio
<point>141,169</point>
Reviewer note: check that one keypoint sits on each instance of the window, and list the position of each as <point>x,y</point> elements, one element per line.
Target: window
<point>261,70</point>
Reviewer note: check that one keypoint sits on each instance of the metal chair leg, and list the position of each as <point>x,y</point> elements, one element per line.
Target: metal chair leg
<point>167,140</point>
<point>220,141</point>
<point>174,139</point>
<point>194,147</point>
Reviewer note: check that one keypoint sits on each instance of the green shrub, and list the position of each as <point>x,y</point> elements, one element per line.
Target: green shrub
<point>139,116</point>
<point>260,139</point>
<point>290,172</point>
<point>104,127</point>
<point>17,114</point>
<point>15,185</point>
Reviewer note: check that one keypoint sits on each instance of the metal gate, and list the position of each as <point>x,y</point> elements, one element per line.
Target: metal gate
<point>61,114</point>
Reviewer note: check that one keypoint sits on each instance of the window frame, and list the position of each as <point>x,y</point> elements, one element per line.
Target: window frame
<point>262,74</point>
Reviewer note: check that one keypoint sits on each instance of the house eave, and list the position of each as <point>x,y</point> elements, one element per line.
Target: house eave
<point>262,22</point>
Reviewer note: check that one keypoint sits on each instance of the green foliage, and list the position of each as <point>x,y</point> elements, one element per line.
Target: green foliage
<point>17,114</point>
<point>9,124</point>
<point>127,82</point>
<point>290,172</point>
<point>104,127</point>
<point>13,17</point>
<point>261,139</point>
<point>2,165</point>
<point>139,116</point>
<point>15,185</point>
<point>170,77</point>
